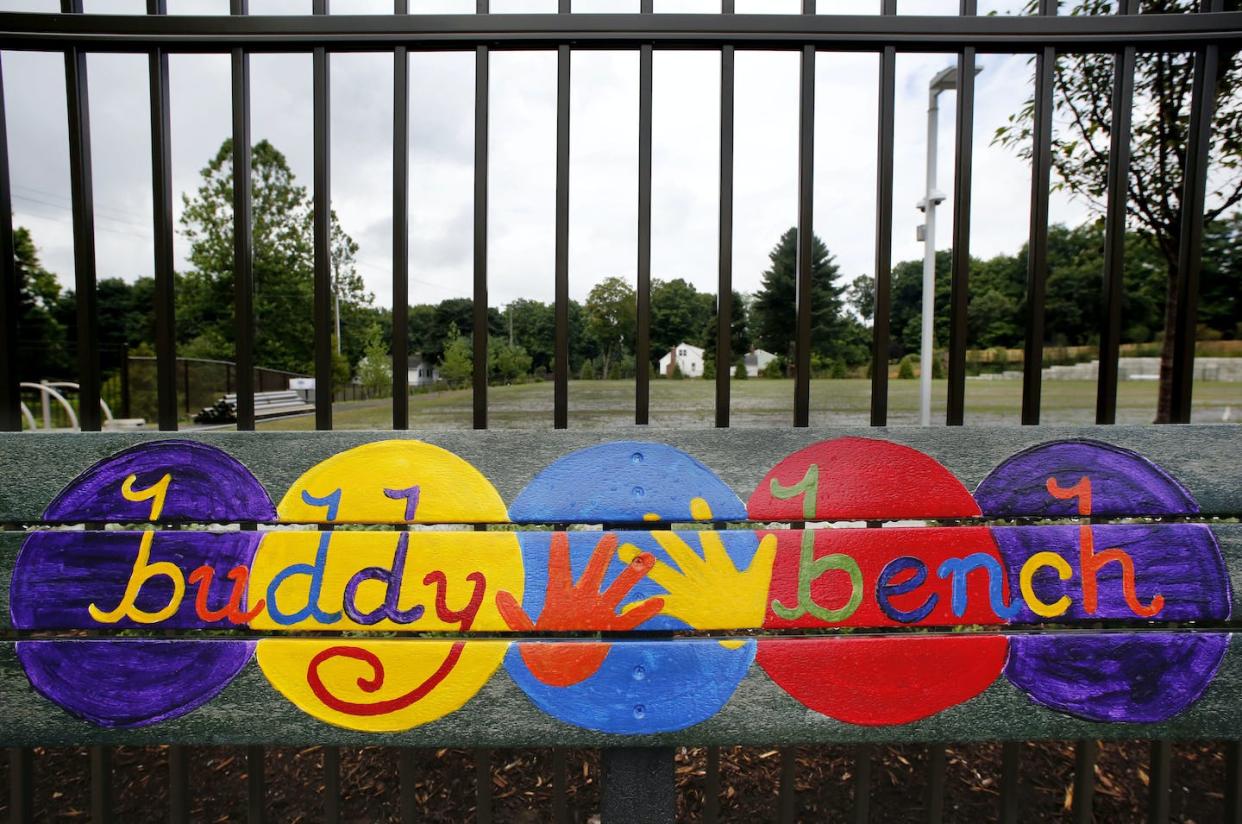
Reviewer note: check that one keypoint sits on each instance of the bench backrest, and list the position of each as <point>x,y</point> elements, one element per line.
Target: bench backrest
<point>505,589</point>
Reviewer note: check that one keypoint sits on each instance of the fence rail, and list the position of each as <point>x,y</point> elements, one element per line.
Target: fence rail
<point>965,35</point>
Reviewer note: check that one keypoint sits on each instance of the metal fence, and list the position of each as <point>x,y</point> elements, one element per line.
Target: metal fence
<point>1042,35</point>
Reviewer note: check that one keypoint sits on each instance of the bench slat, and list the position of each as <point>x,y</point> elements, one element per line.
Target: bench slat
<point>249,710</point>
<point>1202,458</point>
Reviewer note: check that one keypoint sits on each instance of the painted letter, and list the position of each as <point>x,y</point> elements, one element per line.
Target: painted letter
<point>1091,561</point>
<point>810,569</point>
<point>155,493</point>
<point>311,608</point>
<point>958,569</point>
<point>392,594</point>
<point>239,575</point>
<point>142,572</point>
<point>884,588</point>
<point>1044,559</point>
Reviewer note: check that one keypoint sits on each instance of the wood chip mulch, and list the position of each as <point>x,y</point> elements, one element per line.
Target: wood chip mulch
<point>522,784</point>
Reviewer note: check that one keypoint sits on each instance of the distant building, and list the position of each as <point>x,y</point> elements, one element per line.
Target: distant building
<point>422,372</point>
<point>755,360</point>
<point>685,357</point>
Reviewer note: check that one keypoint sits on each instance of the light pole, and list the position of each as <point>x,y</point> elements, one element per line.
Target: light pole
<point>944,80</point>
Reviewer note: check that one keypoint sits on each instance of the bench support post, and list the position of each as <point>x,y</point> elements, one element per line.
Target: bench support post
<point>638,785</point>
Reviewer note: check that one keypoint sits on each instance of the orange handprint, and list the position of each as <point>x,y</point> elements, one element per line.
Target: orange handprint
<point>568,606</point>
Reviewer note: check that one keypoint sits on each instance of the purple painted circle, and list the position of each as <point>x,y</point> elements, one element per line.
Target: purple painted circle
<point>132,683</point>
<point>59,575</point>
<point>1138,677</point>
<point>209,486</point>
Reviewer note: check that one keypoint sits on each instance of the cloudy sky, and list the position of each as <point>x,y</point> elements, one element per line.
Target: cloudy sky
<point>604,157</point>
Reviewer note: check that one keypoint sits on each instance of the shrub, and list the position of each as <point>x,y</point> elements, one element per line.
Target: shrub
<point>774,369</point>
<point>739,371</point>
<point>905,369</point>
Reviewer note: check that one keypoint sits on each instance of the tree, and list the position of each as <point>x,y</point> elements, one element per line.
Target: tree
<point>679,313</point>
<point>610,320</point>
<point>375,365</point>
<point>739,328</point>
<point>506,363</point>
<point>1160,131</point>
<point>457,363</point>
<point>833,332</point>
<point>42,341</point>
<point>283,261</point>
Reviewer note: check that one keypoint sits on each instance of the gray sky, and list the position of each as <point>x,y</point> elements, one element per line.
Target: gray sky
<point>604,157</point>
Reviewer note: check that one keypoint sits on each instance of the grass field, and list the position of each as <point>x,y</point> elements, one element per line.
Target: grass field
<point>689,403</point>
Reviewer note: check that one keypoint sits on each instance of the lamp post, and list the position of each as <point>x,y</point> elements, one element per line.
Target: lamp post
<point>944,80</point>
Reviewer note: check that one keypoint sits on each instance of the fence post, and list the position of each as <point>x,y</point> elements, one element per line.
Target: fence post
<point>185,371</point>
<point>638,785</point>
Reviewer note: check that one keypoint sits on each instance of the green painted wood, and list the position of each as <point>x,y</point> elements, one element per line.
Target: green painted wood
<point>1202,457</point>
<point>249,711</point>
<point>345,563</point>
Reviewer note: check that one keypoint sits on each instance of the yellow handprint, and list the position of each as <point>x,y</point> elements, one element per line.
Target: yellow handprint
<point>708,591</point>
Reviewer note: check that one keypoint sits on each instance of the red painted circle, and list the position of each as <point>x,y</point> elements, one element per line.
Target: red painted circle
<point>876,680</point>
<point>882,681</point>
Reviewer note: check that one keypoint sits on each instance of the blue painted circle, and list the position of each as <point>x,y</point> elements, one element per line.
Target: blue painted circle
<point>620,481</point>
<point>641,688</point>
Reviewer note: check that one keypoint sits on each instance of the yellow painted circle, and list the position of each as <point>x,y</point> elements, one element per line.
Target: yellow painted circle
<point>392,684</point>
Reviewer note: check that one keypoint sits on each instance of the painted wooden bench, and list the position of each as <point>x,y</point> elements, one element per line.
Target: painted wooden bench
<point>625,591</point>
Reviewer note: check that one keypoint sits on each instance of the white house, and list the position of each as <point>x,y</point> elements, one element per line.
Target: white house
<point>755,360</point>
<point>422,372</point>
<point>684,356</point>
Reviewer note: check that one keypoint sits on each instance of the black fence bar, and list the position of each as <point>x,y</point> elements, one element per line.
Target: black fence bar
<point>243,232</point>
<point>711,784</point>
<point>101,784</point>
<point>483,786</point>
<point>806,234</point>
<point>914,33</point>
<point>959,292</point>
<point>882,309</point>
<point>1158,778</point>
<point>1085,754</point>
<point>256,790</point>
<point>642,361</point>
<point>1115,226</point>
<point>332,785</point>
<point>178,784</point>
<point>724,254</point>
<point>1233,782</point>
<point>479,315</point>
<point>935,783</point>
<point>560,794</point>
<point>83,198</point>
<point>21,785</point>
<point>10,290</point>
<point>401,230</point>
<point>862,783</point>
<point>162,215</point>
<point>787,797</point>
<point>1011,761</point>
<point>1190,238</point>
<point>642,334</point>
<point>407,777</point>
<point>1037,256</point>
<point>560,392</point>
<point>322,195</point>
